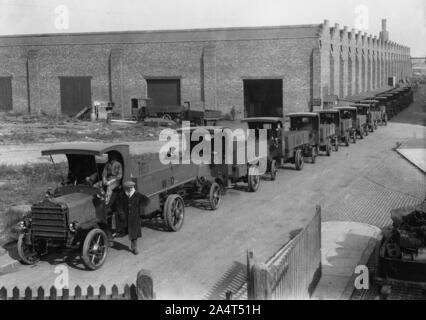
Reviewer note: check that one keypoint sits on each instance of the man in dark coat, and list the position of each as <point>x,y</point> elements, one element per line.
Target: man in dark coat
<point>130,206</point>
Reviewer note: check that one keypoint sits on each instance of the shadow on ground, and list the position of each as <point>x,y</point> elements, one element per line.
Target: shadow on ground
<point>232,280</point>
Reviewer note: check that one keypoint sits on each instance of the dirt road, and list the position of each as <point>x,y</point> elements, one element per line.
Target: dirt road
<point>201,260</point>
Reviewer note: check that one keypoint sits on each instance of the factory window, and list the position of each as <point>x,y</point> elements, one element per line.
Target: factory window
<point>76,94</point>
<point>5,93</point>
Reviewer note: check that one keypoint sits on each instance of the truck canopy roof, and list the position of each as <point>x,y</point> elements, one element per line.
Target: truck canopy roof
<point>96,149</point>
<point>327,111</point>
<point>346,108</point>
<point>264,119</point>
<point>303,114</point>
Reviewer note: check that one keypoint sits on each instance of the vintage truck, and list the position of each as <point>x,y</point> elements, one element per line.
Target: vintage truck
<point>228,171</point>
<point>332,116</point>
<point>382,105</point>
<point>348,116</point>
<point>319,134</point>
<point>391,103</point>
<point>283,146</point>
<point>75,215</point>
<point>375,112</point>
<point>143,108</point>
<point>364,119</point>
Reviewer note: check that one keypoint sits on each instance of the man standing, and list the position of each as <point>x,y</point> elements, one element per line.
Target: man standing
<point>130,206</point>
<point>111,175</point>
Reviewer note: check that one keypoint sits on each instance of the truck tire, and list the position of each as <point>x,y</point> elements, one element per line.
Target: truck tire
<point>26,255</point>
<point>313,154</point>
<point>328,149</point>
<point>215,195</point>
<point>95,249</point>
<point>298,160</point>
<point>253,179</point>
<point>273,170</point>
<point>174,212</point>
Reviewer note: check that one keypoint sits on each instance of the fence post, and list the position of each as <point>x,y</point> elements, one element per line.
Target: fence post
<point>261,282</point>
<point>144,285</point>
<point>250,263</point>
<point>229,295</point>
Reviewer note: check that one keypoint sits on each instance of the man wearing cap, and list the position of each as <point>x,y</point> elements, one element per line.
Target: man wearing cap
<point>130,206</point>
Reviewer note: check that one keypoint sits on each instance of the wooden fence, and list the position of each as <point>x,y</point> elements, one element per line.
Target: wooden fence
<point>142,290</point>
<point>293,272</point>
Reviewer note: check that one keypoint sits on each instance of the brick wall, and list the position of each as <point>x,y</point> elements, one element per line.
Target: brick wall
<point>211,64</point>
<point>211,72</point>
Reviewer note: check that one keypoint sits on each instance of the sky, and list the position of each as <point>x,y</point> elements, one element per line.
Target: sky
<point>406,19</point>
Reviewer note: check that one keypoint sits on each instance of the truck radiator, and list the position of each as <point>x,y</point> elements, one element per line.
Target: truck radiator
<point>49,221</point>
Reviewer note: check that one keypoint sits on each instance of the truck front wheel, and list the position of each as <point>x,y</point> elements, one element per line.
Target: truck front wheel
<point>215,195</point>
<point>253,179</point>
<point>298,160</point>
<point>174,212</point>
<point>95,249</point>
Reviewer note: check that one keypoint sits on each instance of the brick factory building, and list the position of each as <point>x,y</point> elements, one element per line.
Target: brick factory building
<point>262,71</point>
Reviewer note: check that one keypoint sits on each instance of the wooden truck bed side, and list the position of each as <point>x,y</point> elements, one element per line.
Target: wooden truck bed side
<point>294,139</point>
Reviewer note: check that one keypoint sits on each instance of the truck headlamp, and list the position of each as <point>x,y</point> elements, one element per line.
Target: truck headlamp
<point>24,224</point>
<point>73,226</point>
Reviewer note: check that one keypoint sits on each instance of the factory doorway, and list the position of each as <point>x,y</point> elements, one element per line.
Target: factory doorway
<point>164,92</point>
<point>76,94</point>
<point>5,94</point>
<point>263,98</point>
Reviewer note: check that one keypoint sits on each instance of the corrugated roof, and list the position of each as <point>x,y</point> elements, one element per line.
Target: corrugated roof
<point>128,37</point>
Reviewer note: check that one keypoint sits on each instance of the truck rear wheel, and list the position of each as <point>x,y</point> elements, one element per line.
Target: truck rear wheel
<point>95,249</point>
<point>174,212</point>
<point>273,170</point>
<point>215,195</point>
<point>25,251</point>
<point>313,154</point>
<point>298,160</point>
<point>253,179</point>
<point>328,149</point>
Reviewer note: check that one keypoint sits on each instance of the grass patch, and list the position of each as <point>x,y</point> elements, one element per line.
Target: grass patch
<point>23,185</point>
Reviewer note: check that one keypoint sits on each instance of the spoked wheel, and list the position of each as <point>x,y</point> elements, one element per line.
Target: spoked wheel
<point>328,149</point>
<point>298,160</point>
<point>25,251</point>
<point>215,195</point>
<point>95,249</point>
<point>313,154</point>
<point>274,170</point>
<point>253,179</point>
<point>174,212</point>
